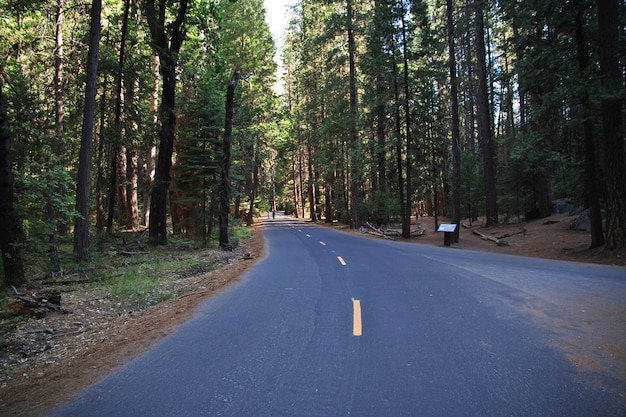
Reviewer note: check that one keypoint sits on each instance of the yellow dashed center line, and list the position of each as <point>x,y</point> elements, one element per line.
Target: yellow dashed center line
<point>357,327</point>
<point>341,261</point>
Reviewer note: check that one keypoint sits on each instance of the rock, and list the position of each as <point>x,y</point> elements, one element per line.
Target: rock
<point>231,246</point>
<point>503,243</point>
<point>583,223</point>
<point>567,205</point>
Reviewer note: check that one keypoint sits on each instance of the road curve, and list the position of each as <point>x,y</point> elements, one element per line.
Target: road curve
<point>331,324</point>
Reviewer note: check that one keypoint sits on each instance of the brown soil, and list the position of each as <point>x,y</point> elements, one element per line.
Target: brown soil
<point>545,238</point>
<point>96,338</point>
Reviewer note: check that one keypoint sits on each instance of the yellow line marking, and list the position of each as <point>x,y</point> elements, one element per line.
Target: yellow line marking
<point>341,260</point>
<point>357,327</point>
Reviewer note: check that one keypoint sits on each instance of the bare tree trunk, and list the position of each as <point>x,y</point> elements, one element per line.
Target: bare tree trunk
<point>131,191</point>
<point>311,182</point>
<point>224,192</point>
<point>121,196</point>
<point>9,226</point>
<point>100,218</point>
<point>592,193</point>
<point>406,214</point>
<point>296,190</point>
<point>612,123</point>
<point>487,142</point>
<point>167,50</point>
<point>355,165</point>
<point>148,178</point>
<point>455,128</point>
<point>253,191</point>
<point>301,184</point>
<point>398,128</point>
<point>61,227</point>
<point>83,186</point>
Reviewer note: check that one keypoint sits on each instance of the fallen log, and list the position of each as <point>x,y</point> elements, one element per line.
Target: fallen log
<point>499,242</point>
<point>376,231</point>
<point>512,234</point>
<point>379,234</point>
<point>129,253</point>
<point>485,237</point>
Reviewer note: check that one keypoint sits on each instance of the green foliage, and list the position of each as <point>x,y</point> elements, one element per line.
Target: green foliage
<point>9,318</point>
<point>472,190</point>
<point>379,208</point>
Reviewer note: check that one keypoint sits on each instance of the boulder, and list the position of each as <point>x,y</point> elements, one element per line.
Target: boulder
<point>567,205</point>
<point>583,223</point>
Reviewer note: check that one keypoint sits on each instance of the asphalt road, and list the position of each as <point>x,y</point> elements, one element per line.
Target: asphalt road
<point>331,324</point>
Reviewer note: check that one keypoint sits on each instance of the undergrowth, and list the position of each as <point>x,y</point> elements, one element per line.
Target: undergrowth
<point>124,270</point>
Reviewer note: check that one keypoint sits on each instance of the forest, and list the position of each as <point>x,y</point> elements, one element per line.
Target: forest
<point>163,118</point>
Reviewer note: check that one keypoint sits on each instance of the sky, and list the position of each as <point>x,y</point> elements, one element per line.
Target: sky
<point>277,16</point>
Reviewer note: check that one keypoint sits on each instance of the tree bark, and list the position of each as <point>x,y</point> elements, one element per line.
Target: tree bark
<point>355,166</point>
<point>83,186</point>
<point>167,50</point>
<point>487,143</point>
<point>9,226</point>
<point>406,214</point>
<point>398,132</point>
<point>253,191</point>
<point>592,193</point>
<point>311,183</point>
<point>454,124</point>
<point>148,178</point>
<point>224,192</point>
<point>59,131</point>
<point>612,123</point>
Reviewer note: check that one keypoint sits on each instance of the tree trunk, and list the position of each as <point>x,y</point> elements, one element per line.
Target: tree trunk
<point>9,226</point>
<point>329,199</point>
<point>296,188</point>
<point>100,183</point>
<point>406,214</point>
<point>311,183</point>
<point>455,128</point>
<point>59,131</point>
<point>355,163</point>
<point>83,185</point>
<point>398,129</point>
<point>592,193</point>
<point>487,143</point>
<point>62,226</point>
<point>131,190</point>
<point>148,178</point>
<point>612,123</point>
<point>167,50</point>
<point>381,153</point>
<point>224,192</point>
<point>253,191</point>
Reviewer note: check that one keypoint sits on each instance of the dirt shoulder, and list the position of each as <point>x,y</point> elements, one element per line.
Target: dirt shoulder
<point>548,238</point>
<point>98,339</point>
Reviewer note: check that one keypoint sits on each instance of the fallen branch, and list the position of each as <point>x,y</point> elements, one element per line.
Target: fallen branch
<point>485,237</point>
<point>376,231</point>
<point>512,234</point>
<point>499,242</point>
<point>129,253</point>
